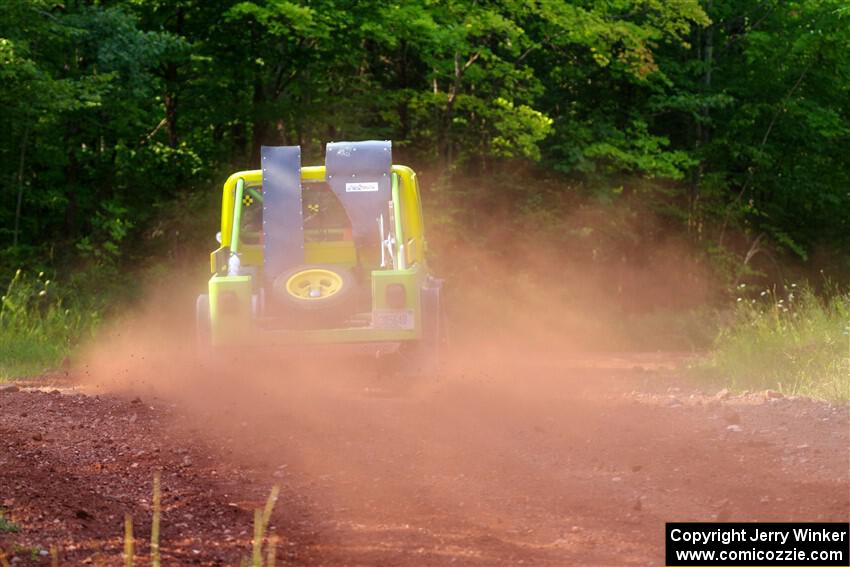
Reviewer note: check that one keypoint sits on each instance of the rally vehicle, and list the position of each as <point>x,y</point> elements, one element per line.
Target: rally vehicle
<point>326,254</point>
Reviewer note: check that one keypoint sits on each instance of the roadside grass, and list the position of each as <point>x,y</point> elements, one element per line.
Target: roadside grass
<point>39,325</point>
<point>794,341</point>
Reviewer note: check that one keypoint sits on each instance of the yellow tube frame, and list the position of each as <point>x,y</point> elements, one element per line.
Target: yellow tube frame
<point>407,204</point>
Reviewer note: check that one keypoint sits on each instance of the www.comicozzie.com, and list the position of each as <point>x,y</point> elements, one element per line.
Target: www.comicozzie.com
<point>812,544</point>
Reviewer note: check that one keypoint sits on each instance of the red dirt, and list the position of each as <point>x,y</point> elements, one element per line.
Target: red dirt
<point>574,462</point>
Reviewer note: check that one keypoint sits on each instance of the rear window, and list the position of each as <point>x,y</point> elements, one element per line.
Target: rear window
<point>321,209</point>
<point>323,214</point>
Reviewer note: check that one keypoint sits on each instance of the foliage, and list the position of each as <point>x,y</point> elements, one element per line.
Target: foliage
<point>39,325</point>
<point>762,105</point>
<point>792,341</point>
<point>113,108</point>
<point>77,92</point>
<point>734,111</point>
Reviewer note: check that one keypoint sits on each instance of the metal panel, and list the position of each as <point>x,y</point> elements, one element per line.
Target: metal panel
<point>283,224</point>
<point>359,174</point>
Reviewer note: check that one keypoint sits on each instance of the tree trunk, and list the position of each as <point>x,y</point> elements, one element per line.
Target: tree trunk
<point>171,82</point>
<point>171,105</point>
<point>402,108</point>
<point>72,171</point>
<point>20,186</point>
<point>702,127</point>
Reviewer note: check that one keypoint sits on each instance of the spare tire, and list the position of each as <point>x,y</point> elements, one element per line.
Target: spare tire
<point>317,288</point>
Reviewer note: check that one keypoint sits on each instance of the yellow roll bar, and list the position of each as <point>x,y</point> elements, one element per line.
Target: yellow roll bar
<point>408,209</point>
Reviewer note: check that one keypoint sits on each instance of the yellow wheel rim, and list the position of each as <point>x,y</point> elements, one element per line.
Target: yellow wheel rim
<point>313,284</point>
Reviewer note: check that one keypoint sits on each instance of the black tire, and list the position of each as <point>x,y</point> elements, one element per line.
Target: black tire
<point>338,302</point>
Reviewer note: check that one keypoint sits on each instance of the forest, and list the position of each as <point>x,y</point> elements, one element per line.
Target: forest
<point>728,118</point>
<point>601,129</point>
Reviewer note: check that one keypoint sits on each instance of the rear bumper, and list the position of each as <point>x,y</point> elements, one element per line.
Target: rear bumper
<point>236,314</point>
<point>353,336</point>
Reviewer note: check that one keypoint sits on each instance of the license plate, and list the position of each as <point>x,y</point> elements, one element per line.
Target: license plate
<point>393,319</point>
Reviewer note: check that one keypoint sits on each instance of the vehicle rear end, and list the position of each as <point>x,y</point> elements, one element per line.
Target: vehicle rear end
<point>331,254</point>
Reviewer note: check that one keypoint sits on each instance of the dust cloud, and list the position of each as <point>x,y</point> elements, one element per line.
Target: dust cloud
<point>513,299</point>
<point>521,319</point>
<point>530,440</point>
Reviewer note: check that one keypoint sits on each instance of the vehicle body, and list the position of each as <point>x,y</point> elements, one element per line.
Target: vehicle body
<point>324,255</point>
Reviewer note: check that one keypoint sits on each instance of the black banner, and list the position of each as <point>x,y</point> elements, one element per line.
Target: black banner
<point>810,544</point>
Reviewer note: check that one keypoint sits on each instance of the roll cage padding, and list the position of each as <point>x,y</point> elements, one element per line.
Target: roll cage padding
<point>283,223</point>
<point>359,173</point>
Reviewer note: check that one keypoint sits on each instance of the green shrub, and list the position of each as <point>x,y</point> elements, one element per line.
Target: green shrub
<point>39,324</point>
<point>796,342</point>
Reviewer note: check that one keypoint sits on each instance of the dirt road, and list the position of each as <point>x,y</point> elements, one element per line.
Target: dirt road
<point>578,462</point>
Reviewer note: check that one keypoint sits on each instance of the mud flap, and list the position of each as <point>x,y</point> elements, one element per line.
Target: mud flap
<point>425,357</point>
